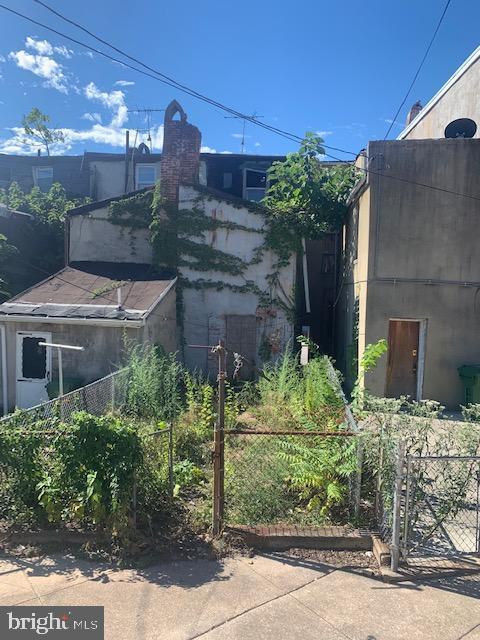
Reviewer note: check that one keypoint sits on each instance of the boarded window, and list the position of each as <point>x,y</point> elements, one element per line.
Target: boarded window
<point>242,338</point>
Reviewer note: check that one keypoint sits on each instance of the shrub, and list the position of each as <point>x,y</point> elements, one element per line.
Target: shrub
<point>471,412</point>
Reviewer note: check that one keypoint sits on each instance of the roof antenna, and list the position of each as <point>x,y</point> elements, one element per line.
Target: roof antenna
<point>254,116</point>
<point>148,113</point>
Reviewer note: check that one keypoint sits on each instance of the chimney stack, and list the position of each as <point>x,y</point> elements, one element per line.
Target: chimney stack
<point>181,152</point>
<point>414,111</point>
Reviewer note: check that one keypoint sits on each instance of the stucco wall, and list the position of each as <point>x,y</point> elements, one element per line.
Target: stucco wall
<point>462,100</point>
<point>161,324</point>
<point>94,238</point>
<point>418,256</point>
<point>205,309</point>
<point>107,177</point>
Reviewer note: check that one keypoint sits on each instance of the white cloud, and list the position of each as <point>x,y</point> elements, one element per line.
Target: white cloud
<point>324,134</point>
<point>114,100</point>
<point>257,144</point>
<point>207,150</point>
<point>239,136</point>
<point>93,117</point>
<point>2,58</point>
<point>124,83</point>
<point>43,67</point>
<point>43,47</point>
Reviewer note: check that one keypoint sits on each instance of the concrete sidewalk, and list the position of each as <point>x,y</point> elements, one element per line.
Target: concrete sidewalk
<point>266,597</point>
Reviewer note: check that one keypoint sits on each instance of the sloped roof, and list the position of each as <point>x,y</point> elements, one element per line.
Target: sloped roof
<point>462,69</point>
<point>89,290</point>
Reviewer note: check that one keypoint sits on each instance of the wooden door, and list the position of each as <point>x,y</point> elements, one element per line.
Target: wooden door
<point>241,337</point>
<point>402,367</point>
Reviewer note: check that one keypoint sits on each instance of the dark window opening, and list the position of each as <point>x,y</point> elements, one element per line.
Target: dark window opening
<point>34,358</point>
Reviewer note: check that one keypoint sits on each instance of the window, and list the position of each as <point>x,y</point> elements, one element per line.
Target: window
<point>255,184</point>
<point>43,177</point>
<point>227,180</point>
<point>34,358</point>
<point>146,175</point>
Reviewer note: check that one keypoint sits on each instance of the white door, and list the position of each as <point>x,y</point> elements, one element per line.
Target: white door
<point>34,365</point>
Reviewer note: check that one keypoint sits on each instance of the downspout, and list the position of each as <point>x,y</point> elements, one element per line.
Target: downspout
<point>3,343</point>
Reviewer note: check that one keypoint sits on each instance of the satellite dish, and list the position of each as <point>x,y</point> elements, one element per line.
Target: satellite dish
<point>461,128</point>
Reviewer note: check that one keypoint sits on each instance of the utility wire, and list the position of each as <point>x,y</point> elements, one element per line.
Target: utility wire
<point>419,68</point>
<point>289,136</point>
<point>159,75</point>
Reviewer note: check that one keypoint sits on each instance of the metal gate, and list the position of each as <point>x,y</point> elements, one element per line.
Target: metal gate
<point>440,507</point>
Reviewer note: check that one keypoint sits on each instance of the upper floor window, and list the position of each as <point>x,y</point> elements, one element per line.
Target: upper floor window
<point>146,175</point>
<point>254,184</point>
<point>43,177</point>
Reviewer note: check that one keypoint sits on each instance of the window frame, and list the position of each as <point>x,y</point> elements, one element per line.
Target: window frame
<point>143,165</point>
<point>37,180</point>
<point>246,189</point>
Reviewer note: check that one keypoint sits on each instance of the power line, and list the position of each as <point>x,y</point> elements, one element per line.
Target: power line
<point>168,80</point>
<point>290,136</point>
<point>419,67</point>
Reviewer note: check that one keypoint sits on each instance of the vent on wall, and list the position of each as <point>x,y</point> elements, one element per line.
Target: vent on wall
<point>461,128</point>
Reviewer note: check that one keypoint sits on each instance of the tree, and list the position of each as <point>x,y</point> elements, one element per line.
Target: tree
<point>45,233</point>
<point>35,125</point>
<point>306,196</point>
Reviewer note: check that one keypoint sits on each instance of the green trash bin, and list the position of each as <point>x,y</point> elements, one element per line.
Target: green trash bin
<point>470,375</point>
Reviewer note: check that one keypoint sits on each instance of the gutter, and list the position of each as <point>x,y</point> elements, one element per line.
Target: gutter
<point>94,322</point>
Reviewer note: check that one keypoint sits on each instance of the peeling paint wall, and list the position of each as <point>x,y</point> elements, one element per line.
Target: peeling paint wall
<point>94,237</point>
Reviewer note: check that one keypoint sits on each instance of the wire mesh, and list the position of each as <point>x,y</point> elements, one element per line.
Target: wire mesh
<point>99,397</point>
<point>279,479</point>
<point>441,505</point>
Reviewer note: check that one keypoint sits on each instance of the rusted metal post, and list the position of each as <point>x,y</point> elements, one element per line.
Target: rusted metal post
<point>219,445</point>
<point>397,505</point>
<point>170,459</point>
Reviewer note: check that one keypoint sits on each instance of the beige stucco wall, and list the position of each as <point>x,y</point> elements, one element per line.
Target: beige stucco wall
<point>422,258</point>
<point>107,178</point>
<point>462,100</point>
<point>93,237</point>
<point>205,309</point>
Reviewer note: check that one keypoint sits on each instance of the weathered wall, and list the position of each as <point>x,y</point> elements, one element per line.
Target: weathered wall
<point>161,324</point>
<point>93,237</point>
<point>462,100</point>
<point>102,354</point>
<point>67,170</point>
<point>107,177</point>
<point>418,255</point>
<point>205,309</point>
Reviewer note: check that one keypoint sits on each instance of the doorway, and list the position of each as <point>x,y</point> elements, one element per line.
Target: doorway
<point>33,368</point>
<point>406,350</point>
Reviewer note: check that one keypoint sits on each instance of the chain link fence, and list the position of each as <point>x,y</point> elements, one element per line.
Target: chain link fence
<point>286,478</point>
<point>440,505</point>
<point>99,397</point>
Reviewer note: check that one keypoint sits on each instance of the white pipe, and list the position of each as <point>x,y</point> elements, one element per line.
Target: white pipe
<point>3,340</point>
<point>119,298</point>
<point>60,372</point>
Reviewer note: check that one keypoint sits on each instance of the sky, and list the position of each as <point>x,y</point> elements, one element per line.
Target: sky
<point>338,68</point>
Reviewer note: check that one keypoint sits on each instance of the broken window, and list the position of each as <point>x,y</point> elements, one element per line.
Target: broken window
<point>34,358</point>
<point>255,184</point>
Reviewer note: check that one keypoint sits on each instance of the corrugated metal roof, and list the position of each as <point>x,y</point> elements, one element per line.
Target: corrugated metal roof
<point>89,290</point>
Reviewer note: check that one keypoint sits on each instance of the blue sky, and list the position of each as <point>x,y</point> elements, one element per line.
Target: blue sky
<point>340,67</point>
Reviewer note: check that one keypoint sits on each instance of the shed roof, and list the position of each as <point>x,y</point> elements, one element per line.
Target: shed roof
<point>89,290</point>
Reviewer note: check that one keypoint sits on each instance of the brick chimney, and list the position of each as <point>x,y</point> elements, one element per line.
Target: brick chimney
<point>414,111</point>
<point>181,152</point>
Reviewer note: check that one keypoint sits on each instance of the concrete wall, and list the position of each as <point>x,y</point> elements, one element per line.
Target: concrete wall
<point>107,177</point>
<point>462,100</point>
<point>418,256</point>
<point>205,310</point>
<point>161,324</point>
<point>93,237</point>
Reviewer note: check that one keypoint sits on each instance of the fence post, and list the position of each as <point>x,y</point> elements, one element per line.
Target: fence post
<point>219,445</point>
<point>397,504</point>
<point>170,459</point>
<point>134,500</point>
<point>113,391</point>
<point>358,479</point>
